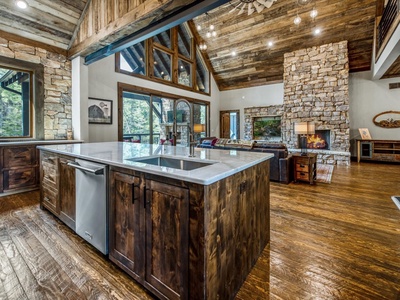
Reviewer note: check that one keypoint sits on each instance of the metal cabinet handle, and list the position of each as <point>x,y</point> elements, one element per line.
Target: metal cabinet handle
<point>98,171</point>
<point>133,193</point>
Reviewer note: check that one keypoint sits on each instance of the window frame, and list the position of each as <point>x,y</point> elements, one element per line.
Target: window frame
<point>150,92</point>
<point>36,114</point>
<point>150,45</point>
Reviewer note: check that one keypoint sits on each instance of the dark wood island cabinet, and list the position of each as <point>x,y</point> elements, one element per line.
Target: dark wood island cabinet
<point>178,238</point>
<point>57,190</point>
<point>189,241</point>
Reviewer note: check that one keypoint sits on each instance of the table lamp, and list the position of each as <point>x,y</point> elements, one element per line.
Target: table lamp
<point>199,128</point>
<point>304,129</point>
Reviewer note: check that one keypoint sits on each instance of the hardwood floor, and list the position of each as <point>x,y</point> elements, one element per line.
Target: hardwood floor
<point>328,241</point>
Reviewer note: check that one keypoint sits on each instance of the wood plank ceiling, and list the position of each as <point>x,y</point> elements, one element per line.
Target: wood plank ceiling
<point>80,28</point>
<point>52,22</point>
<point>248,35</point>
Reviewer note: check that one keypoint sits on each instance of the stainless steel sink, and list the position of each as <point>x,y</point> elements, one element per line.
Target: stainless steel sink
<point>176,163</point>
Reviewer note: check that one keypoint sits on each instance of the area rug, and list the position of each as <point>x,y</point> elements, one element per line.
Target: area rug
<point>324,173</point>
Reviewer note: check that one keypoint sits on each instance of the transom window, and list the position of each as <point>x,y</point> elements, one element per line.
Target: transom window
<point>170,57</point>
<point>15,103</point>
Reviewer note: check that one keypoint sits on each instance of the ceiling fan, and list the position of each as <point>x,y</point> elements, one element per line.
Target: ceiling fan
<point>252,6</point>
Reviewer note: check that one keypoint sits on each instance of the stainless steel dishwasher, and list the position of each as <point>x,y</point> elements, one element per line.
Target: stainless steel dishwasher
<point>91,203</point>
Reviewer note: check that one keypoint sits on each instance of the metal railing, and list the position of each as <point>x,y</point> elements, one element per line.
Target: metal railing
<point>389,15</point>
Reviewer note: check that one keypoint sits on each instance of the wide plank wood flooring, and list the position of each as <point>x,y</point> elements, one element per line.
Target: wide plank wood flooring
<point>328,241</point>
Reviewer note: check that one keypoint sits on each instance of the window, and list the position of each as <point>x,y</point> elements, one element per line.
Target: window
<point>147,116</point>
<point>15,103</point>
<point>172,58</point>
<point>133,59</point>
<point>34,126</point>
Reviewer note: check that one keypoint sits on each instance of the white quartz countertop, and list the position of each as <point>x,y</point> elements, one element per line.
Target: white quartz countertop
<point>224,162</point>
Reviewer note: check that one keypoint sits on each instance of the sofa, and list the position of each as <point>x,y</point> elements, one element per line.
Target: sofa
<point>281,165</point>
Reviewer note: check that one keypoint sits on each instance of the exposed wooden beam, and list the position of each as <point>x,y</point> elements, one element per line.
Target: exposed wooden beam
<point>168,20</point>
<point>78,25</point>
<point>29,42</point>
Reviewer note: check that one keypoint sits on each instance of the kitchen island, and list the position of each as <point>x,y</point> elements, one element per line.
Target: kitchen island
<point>184,227</point>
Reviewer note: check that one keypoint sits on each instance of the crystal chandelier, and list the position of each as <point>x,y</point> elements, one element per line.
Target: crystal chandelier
<point>313,13</point>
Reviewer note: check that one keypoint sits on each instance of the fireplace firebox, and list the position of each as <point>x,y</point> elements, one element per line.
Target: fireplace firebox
<point>319,140</point>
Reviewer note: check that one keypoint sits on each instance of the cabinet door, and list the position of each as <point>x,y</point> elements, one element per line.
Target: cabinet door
<point>49,182</point>
<point>20,156</point>
<point>167,239</point>
<point>67,193</point>
<point>19,168</point>
<point>19,178</point>
<point>126,225</point>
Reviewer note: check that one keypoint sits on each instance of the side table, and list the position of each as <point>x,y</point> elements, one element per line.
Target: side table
<point>305,167</point>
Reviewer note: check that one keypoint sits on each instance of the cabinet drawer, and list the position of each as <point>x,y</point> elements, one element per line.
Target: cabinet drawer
<point>19,156</point>
<point>20,178</point>
<point>302,167</point>
<point>50,197</point>
<point>303,176</point>
<point>302,160</point>
<point>50,169</point>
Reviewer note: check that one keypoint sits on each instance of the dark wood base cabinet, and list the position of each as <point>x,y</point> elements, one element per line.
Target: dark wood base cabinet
<point>183,240</point>
<point>58,186</point>
<point>19,168</point>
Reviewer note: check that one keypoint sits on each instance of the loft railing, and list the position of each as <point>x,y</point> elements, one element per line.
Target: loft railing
<point>389,15</point>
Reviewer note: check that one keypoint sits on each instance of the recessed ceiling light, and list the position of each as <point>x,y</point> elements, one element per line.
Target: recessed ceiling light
<point>233,53</point>
<point>270,44</point>
<point>22,4</point>
<point>317,31</point>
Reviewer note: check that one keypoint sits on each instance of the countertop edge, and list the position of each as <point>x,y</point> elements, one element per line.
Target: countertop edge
<point>42,142</point>
<point>185,177</point>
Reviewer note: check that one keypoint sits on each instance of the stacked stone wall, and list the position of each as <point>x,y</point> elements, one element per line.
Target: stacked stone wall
<point>316,90</point>
<point>57,85</point>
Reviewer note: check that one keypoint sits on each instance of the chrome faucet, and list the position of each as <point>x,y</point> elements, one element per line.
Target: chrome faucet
<point>191,143</point>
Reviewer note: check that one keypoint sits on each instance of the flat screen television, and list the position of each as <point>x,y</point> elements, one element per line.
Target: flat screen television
<point>267,128</point>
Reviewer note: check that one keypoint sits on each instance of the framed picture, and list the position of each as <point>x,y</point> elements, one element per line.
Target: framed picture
<point>364,132</point>
<point>100,111</point>
<point>267,128</point>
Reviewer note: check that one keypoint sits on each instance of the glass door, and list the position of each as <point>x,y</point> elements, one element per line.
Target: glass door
<point>182,123</point>
<point>163,121</point>
<point>150,118</point>
<point>136,118</point>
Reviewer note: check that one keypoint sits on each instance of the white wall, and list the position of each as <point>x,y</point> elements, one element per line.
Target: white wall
<point>80,117</point>
<point>256,96</point>
<point>369,98</point>
<point>103,81</point>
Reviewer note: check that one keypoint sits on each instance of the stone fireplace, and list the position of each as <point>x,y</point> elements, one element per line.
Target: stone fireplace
<point>315,90</point>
